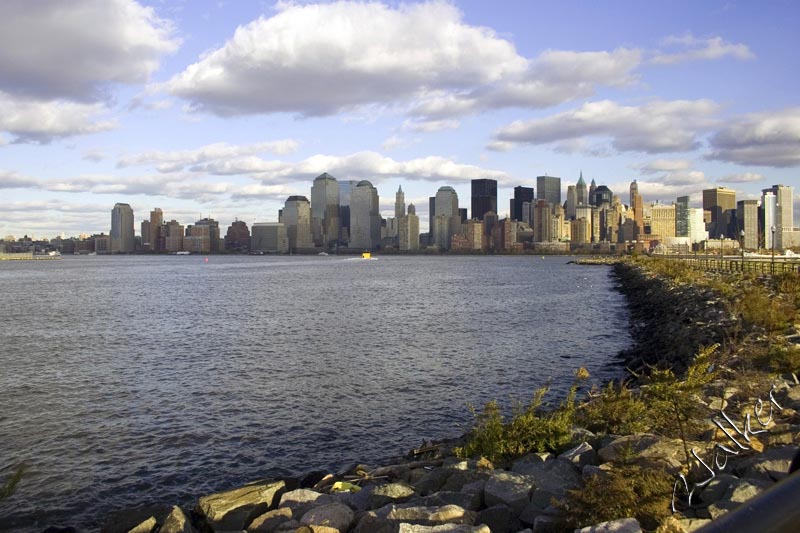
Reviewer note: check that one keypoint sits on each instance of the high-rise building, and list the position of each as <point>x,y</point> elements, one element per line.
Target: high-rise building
<point>783,217</point>
<point>581,194</point>
<point>634,192</point>
<point>122,234</point>
<point>697,225</point>
<point>173,236</point>
<point>601,195</point>
<point>408,230</point>
<point>212,232</point>
<point>721,202</point>
<point>572,201</point>
<point>145,232</point>
<point>365,218</point>
<point>325,209</point>
<point>447,220</point>
<point>637,205</point>
<point>269,237</point>
<point>548,188</point>
<point>747,222</point>
<point>297,219</point>
<point>400,203</point>
<point>521,195</point>
<point>237,238</point>
<point>484,197</point>
<point>542,213</point>
<point>662,221</point>
<point>154,238</point>
<point>431,216</point>
<point>682,217</point>
<point>345,188</point>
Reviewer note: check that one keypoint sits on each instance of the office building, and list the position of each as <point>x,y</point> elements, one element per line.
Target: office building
<point>548,188</point>
<point>521,195</point>
<point>447,219</point>
<point>400,203</point>
<point>697,225</point>
<point>174,233</point>
<point>213,233</point>
<point>408,230</point>
<point>662,221</point>
<point>325,210</point>
<point>721,203</point>
<point>296,216</point>
<point>572,201</point>
<point>345,188</point>
<point>682,217</point>
<point>601,195</point>
<point>122,232</point>
<point>269,237</point>
<point>747,223</point>
<point>154,238</point>
<point>365,218</point>
<point>237,238</point>
<point>581,193</point>
<point>484,197</point>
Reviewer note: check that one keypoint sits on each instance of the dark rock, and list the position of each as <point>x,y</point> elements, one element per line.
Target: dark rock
<point>499,518</point>
<point>270,521</point>
<point>333,515</point>
<point>127,519</point>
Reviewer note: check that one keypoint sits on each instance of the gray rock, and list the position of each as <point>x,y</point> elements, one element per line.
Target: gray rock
<point>370,522</point>
<point>358,501</point>
<point>469,501</point>
<point>551,479</point>
<point>145,527</point>
<point>739,491</point>
<point>334,515</point>
<point>772,465</point>
<point>499,518</point>
<point>508,488</point>
<point>176,522</point>
<point>234,509</point>
<point>301,500</point>
<point>461,478</point>
<point>624,525</point>
<point>648,450</point>
<point>433,480</point>
<point>445,528</point>
<point>289,525</point>
<point>546,523</point>
<point>448,514</point>
<point>475,490</point>
<point>270,521</point>
<point>692,524</point>
<point>390,493</point>
<point>581,455</point>
<point>716,488</point>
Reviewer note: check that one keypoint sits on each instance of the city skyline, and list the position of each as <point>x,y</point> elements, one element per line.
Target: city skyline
<point>677,96</point>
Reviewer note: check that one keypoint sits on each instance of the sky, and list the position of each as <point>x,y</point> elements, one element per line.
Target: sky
<point>226,108</point>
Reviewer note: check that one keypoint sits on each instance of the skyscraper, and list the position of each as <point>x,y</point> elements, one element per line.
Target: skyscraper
<point>399,203</point>
<point>721,202</point>
<point>581,194</point>
<point>365,218</point>
<point>484,197</point>
<point>237,238</point>
<point>682,217</point>
<point>270,237</point>
<point>572,201</point>
<point>521,195</point>
<point>548,188</point>
<point>408,230</point>
<point>747,222</point>
<point>155,239</point>
<point>122,233</point>
<point>297,219</point>
<point>325,209</point>
<point>447,219</point>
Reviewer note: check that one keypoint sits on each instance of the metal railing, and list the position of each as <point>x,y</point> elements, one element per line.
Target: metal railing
<point>759,265</point>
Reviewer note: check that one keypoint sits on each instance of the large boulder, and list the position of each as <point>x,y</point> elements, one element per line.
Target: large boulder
<point>390,493</point>
<point>624,525</point>
<point>235,509</point>
<point>445,528</point>
<point>499,518</point>
<point>508,488</point>
<point>334,515</point>
<point>270,521</point>
<point>581,455</point>
<point>301,500</point>
<point>551,479</point>
<point>649,451</point>
<point>176,522</point>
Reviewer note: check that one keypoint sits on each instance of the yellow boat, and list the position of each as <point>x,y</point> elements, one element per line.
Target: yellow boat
<point>366,255</point>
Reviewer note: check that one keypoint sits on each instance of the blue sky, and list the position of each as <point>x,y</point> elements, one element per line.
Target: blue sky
<point>226,108</point>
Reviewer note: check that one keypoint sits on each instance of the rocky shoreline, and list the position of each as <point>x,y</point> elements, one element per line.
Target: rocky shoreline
<point>432,490</point>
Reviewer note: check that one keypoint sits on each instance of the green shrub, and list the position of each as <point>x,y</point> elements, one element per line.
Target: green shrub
<point>530,429</point>
<point>757,307</point>
<point>626,491</point>
<point>616,410</point>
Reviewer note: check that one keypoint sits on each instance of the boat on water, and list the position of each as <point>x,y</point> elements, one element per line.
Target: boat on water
<point>29,256</point>
<point>366,255</point>
<point>323,253</point>
<point>183,252</point>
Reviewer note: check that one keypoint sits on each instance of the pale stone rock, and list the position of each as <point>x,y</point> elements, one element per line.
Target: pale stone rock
<point>649,450</point>
<point>452,514</point>
<point>145,527</point>
<point>390,493</point>
<point>445,528</point>
<point>176,522</point>
<point>692,524</point>
<point>625,525</point>
<point>301,500</point>
<point>581,455</point>
<point>234,509</point>
<point>508,488</point>
<point>551,479</point>
<point>270,520</point>
<point>334,515</point>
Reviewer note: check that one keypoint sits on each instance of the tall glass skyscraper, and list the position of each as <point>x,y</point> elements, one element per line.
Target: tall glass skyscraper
<point>484,197</point>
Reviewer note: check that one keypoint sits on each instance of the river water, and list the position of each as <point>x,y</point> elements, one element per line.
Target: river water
<point>133,380</point>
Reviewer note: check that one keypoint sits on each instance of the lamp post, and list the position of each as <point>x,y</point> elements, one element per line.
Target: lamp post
<point>772,229</point>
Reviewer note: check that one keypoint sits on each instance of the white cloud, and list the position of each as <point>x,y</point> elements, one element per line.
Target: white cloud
<point>742,177</point>
<point>12,180</point>
<point>50,49</point>
<point>655,127</point>
<point>218,152</point>
<point>31,120</point>
<point>95,155</point>
<point>324,58</point>
<point>764,139</point>
<point>691,48</point>
<point>665,165</point>
<point>430,125</point>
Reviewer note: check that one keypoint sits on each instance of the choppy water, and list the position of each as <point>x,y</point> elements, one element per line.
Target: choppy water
<point>131,380</point>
